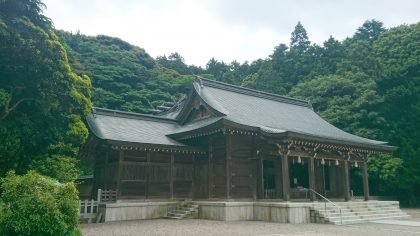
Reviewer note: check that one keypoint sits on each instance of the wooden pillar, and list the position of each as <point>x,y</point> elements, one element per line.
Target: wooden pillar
<point>278,180</point>
<point>365,181</point>
<point>346,180</point>
<point>312,182</point>
<point>254,169</point>
<point>96,177</point>
<point>261,165</point>
<point>193,178</point>
<point>171,180</point>
<point>285,177</point>
<point>210,170</point>
<point>228,165</point>
<point>147,185</point>
<point>106,177</point>
<point>119,173</point>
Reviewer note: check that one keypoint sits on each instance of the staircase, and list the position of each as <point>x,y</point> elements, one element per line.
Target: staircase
<point>185,210</point>
<point>356,212</point>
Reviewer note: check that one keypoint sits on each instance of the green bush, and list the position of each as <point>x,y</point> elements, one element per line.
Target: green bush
<point>37,205</point>
<point>62,168</point>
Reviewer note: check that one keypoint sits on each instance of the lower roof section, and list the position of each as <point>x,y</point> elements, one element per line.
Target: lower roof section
<point>132,127</point>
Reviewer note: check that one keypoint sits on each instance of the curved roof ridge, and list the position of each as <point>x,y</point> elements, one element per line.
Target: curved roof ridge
<point>130,115</point>
<point>252,92</point>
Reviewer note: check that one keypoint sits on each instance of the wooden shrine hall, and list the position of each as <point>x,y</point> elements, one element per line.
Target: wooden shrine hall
<point>225,142</point>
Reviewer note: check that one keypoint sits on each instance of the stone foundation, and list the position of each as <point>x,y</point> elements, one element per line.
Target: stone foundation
<point>287,212</point>
<point>282,212</point>
<point>135,210</point>
<point>225,211</point>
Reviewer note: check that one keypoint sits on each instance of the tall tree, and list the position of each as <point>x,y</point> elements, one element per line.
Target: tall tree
<point>370,30</point>
<point>299,40</point>
<point>42,101</point>
<point>299,59</point>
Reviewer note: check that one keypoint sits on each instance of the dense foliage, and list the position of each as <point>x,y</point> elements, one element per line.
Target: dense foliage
<point>37,205</point>
<point>367,84</point>
<point>123,76</point>
<point>42,101</point>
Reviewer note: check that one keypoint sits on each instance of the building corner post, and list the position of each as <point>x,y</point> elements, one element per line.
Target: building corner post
<point>365,181</point>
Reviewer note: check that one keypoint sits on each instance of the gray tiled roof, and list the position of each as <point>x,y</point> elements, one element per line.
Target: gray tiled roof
<point>131,127</point>
<point>271,113</point>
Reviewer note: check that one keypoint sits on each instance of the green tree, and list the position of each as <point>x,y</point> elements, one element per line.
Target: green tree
<point>369,31</point>
<point>37,205</point>
<point>42,99</point>
<point>299,40</point>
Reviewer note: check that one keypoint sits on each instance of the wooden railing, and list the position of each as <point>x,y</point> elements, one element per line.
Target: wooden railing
<point>89,209</point>
<point>107,195</point>
<point>269,193</point>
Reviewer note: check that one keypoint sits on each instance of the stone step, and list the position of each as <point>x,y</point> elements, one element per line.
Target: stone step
<point>343,210</point>
<point>179,212</point>
<point>387,217</point>
<point>172,214</point>
<point>187,209</point>
<point>184,210</point>
<point>371,207</point>
<point>356,212</point>
<point>346,221</point>
<point>378,215</point>
<point>338,215</point>
<point>376,210</point>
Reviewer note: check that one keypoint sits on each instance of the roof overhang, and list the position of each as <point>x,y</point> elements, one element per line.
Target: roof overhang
<point>293,135</point>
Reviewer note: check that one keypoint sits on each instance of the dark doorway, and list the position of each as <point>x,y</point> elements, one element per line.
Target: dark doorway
<point>299,176</point>
<point>356,180</point>
<point>269,175</point>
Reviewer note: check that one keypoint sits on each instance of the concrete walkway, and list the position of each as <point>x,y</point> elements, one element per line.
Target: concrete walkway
<point>398,222</point>
<point>406,227</point>
<point>241,228</point>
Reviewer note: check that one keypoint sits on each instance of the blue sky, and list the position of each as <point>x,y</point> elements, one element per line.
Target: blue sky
<point>224,29</point>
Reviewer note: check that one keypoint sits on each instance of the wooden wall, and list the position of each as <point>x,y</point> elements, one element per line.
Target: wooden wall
<point>217,167</point>
<point>243,167</point>
<point>146,174</point>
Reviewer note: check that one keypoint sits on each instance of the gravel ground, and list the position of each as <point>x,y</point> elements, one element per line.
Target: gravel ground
<point>414,212</point>
<point>254,228</point>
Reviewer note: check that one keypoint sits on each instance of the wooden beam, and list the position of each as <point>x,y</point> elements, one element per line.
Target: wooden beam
<point>261,165</point>
<point>254,169</point>
<point>119,173</point>
<point>146,187</point>
<point>285,177</point>
<point>312,182</point>
<point>193,178</point>
<point>106,177</point>
<point>210,170</point>
<point>278,177</point>
<point>365,181</point>
<point>346,180</point>
<point>171,177</point>
<point>228,162</point>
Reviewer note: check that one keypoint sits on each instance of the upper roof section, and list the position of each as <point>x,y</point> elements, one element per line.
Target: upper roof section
<point>271,113</point>
<point>200,82</point>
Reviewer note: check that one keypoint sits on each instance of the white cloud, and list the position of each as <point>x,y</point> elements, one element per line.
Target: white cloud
<point>227,30</point>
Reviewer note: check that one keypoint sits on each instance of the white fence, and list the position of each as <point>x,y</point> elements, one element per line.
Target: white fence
<point>89,209</point>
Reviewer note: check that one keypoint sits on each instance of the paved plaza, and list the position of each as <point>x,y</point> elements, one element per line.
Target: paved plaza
<point>255,228</point>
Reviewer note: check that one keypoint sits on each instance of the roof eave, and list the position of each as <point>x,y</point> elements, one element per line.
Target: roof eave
<point>154,146</point>
<point>374,147</point>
